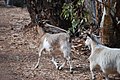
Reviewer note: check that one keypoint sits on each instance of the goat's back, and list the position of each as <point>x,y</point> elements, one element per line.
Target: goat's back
<point>57,38</point>
<point>109,59</point>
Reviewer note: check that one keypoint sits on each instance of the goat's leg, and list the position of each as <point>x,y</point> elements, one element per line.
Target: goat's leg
<point>40,53</point>
<point>66,53</point>
<point>92,66</point>
<point>118,67</point>
<point>105,74</point>
<point>63,64</point>
<point>55,62</point>
<point>70,64</point>
<point>69,60</point>
<point>36,66</point>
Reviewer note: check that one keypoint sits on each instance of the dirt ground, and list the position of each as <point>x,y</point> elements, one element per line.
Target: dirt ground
<point>18,48</point>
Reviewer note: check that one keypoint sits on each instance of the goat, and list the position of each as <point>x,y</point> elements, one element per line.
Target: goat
<point>108,59</point>
<point>49,43</point>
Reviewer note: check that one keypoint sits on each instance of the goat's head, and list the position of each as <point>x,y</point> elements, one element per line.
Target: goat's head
<point>90,38</point>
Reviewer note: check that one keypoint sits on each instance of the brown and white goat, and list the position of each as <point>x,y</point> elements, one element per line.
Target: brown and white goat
<point>48,42</point>
<point>108,59</point>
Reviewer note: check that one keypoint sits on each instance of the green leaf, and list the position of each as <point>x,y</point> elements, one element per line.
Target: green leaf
<point>75,23</point>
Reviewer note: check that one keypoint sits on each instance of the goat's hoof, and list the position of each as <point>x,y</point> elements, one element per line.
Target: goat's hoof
<point>57,67</point>
<point>35,67</point>
<point>60,68</point>
<point>71,72</point>
<point>94,79</point>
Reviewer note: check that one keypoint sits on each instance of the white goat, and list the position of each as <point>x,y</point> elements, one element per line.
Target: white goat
<point>108,59</point>
<point>49,43</point>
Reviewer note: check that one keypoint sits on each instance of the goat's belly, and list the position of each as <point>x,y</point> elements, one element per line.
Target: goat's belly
<point>111,70</point>
<point>56,52</point>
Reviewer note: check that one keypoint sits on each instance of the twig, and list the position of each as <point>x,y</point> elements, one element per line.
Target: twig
<point>105,5</point>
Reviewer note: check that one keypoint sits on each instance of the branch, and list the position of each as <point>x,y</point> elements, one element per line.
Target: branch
<point>105,5</point>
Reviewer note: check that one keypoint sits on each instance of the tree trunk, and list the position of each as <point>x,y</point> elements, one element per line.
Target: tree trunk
<point>107,27</point>
<point>117,15</point>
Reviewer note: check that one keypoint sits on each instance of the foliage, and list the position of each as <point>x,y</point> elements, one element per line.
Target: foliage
<point>76,13</point>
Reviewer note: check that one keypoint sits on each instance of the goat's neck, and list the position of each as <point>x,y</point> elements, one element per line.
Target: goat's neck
<point>93,46</point>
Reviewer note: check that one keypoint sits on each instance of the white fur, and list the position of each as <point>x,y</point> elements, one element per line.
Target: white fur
<point>108,59</point>
<point>46,45</point>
